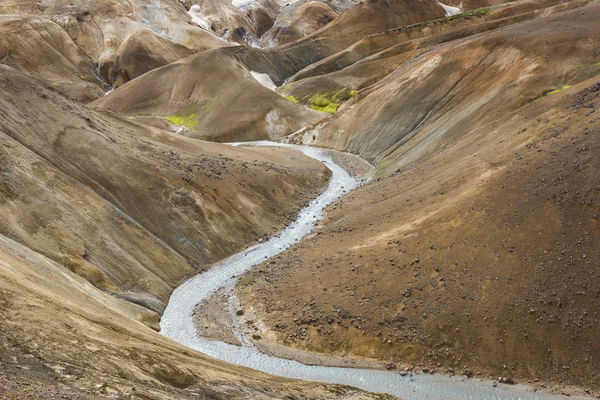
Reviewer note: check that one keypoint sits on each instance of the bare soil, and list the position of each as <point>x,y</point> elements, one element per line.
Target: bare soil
<point>479,259</point>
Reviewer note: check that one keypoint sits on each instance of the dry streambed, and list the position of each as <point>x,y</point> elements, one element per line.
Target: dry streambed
<point>178,322</point>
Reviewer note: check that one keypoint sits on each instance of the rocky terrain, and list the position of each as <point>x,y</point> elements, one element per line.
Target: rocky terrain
<point>473,251</point>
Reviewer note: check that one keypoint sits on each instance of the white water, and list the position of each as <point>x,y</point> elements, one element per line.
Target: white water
<point>177,321</point>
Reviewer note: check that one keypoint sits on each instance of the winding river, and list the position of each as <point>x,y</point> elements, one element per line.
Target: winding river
<point>177,321</point>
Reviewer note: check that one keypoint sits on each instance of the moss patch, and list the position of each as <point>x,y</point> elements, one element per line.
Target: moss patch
<point>185,121</point>
<point>480,12</point>
<point>321,102</point>
<point>247,280</point>
<point>558,90</point>
<point>329,101</point>
<point>292,99</point>
<point>286,88</point>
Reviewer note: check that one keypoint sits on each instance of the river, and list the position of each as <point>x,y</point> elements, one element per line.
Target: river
<point>177,321</point>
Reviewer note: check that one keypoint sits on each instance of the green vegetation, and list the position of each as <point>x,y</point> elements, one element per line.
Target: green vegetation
<point>286,88</point>
<point>329,101</point>
<point>565,87</point>
<point>185,121</point>
<point>480,12</point>
<point>246,280</point>
<point>292,99</point>
<point>321,102</point>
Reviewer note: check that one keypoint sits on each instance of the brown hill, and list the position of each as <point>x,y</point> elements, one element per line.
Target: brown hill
<point>477,247</point>
<point>211,96</point>
<point>463,86</point>
<point>40,47</point>
<point>142,35</point>
<point>297,22</point>
<point>180,206</point>
<point>96,205</point>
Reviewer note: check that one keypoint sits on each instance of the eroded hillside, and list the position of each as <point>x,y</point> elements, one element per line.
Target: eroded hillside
<point>473,251</point>
<point>98,210</point>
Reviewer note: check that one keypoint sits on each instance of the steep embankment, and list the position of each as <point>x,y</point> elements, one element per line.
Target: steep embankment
<point>476,249</point>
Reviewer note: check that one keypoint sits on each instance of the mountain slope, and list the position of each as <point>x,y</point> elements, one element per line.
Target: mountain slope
<point>211,96</point>
<point>475,249</point>
<point>132,209</point>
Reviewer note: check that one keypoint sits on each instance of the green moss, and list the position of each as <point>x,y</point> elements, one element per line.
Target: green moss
<point>185,121</point>
<point>565,87</point>
<point>329,101</point>
<point>330,108</point>
<point>286,88</point>
<point>246,280</point>
<point>322,102</point>
<point>292,99</point>
<point>480,12</point>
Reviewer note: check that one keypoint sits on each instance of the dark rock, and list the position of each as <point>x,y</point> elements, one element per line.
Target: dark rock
<point>390,366</point>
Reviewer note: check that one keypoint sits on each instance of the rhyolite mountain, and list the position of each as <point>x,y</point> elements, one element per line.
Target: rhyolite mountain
<point>474,250</point>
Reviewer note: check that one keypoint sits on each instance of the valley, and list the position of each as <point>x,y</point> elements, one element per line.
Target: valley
<point>309,199</point>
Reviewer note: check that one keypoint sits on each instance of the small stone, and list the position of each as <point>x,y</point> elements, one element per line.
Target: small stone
<point>390,366</point>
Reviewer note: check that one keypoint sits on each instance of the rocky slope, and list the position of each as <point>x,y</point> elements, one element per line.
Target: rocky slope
<point>481,257</point>
<point>475,249</point>
<point>102,219</point>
